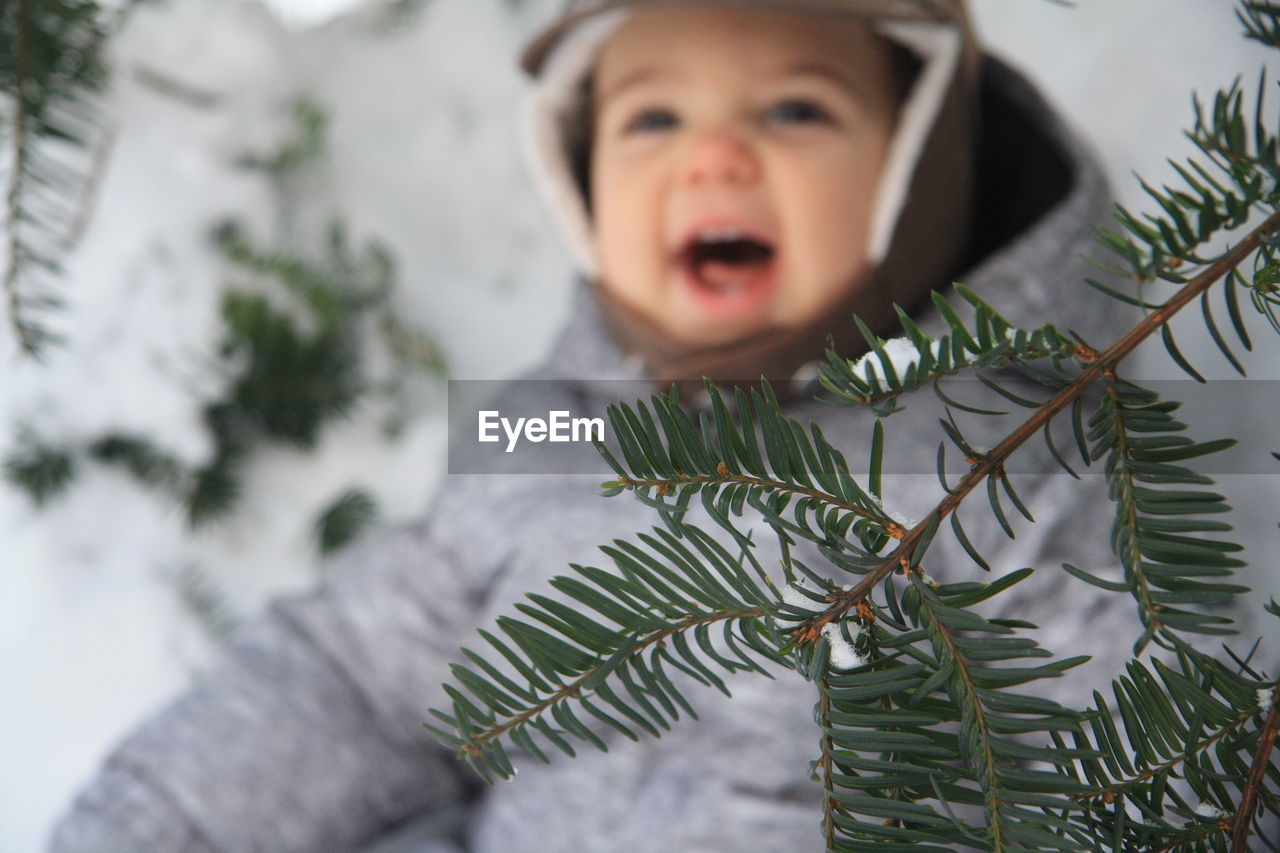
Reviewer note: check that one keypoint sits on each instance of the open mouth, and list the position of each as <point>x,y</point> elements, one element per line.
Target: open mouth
<point>727,263</point>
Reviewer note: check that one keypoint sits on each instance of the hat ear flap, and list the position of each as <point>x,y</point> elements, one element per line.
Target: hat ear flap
<point>926,204</point>
<point>937,47</point>
<point>553,141</point>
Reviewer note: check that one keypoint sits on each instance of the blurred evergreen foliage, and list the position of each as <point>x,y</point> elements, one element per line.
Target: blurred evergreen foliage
<point>43,472</point>
<point>205,599</point>
<point>352,512</point>
<point>304,343</point>
<point>51,134</point>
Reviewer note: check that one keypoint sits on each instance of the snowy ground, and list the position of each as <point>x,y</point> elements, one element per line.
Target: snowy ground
<point>422,155</point>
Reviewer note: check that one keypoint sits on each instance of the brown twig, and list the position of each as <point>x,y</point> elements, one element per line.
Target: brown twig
<point>829,804</point>
<point>1253,782</point>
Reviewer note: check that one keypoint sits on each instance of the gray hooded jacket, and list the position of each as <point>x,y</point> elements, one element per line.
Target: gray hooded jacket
<point>307,737</point>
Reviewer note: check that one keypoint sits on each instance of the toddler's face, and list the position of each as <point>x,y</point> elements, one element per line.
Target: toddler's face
<point>735,159</point>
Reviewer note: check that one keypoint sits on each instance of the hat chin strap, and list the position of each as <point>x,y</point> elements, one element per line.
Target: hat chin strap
<point>552,101</point>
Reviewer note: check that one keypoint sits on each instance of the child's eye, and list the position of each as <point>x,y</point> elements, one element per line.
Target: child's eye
<point>797,111</point>
<point>651,120</point>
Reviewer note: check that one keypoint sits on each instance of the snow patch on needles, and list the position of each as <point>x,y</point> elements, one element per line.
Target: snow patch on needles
<point>792,596</point>
<point>1266,695</point>
<point>900,352</point>
<point>1209,811</point>
<point>844,654</point>
<point>892,512</point>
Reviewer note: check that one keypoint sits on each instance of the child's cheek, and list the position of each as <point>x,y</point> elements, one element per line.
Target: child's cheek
<point>625,232</point>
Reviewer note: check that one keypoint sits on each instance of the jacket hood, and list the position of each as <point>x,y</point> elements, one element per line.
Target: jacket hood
<point>923,206</point>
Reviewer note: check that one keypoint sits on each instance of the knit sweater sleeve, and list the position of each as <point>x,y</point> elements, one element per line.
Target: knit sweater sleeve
<point>306,736</point>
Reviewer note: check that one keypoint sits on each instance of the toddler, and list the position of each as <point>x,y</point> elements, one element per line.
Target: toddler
<point>735,180</point>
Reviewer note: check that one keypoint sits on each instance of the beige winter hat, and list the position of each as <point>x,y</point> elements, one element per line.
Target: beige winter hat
<point>923,209</point>
<point>943,11</point>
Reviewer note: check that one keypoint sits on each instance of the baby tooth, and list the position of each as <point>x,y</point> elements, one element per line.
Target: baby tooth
<point>722,235</point>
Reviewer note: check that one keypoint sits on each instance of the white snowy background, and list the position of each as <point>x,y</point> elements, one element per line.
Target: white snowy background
<point>423,155</point>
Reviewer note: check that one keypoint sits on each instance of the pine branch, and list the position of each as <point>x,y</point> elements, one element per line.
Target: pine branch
<point>649,462</point>
<point>1172,719</point>
<point>897,709</point>
<point>1108,793</point>
<point>50,76</point>
<point>1261,21</point>
<point>664,594</point>
<point>1253,783</point>
<point>883,374</point>
<point>658,468</point>
<point>301,375</point>
<point>1137,434</point>
<point>668,459</point>
<point>30,337</point>
<point>578,686</point>
<point>1188,838</point>
<point>911,718</point>
<point>1097,366</point>
<point>666,485</point>
<point>643,447</point>
<point>977,733</point>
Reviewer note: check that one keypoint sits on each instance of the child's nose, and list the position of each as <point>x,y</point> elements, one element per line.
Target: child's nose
<point>722,155</point>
